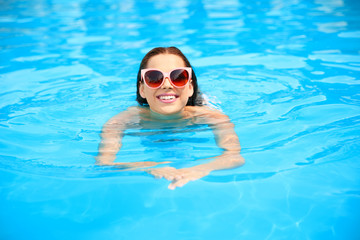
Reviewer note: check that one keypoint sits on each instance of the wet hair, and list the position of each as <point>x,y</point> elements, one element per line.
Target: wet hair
<point>195,100</point>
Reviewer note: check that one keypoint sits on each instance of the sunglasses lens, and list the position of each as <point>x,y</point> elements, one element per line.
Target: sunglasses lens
<point>153,78</point>
<point>179,77</point>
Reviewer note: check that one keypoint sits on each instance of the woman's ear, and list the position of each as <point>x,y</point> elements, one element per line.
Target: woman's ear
<point>191,88</point>
<point>141,90</point>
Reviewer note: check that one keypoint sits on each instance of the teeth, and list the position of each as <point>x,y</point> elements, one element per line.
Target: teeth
<point>167,97</point>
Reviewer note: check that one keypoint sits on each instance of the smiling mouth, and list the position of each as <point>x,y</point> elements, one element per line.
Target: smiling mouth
<point>167,98</point>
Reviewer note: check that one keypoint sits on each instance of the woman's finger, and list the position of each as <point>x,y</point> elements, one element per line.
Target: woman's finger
<point>178,183</point>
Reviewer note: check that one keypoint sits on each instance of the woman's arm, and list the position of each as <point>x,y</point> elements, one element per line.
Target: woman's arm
<point>226,138</point>
<point>111,141</point>
<point>111,136</point>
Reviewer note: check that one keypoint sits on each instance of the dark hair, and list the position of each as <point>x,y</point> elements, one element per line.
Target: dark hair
<point>195,100</point>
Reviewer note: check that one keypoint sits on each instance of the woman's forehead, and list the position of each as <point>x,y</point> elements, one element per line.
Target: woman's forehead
<point>165,62</point>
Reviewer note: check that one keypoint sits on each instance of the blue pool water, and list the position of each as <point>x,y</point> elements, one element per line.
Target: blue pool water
<point>286,73</point>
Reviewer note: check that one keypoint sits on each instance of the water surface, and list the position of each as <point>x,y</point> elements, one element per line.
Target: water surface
<point>286,73</point>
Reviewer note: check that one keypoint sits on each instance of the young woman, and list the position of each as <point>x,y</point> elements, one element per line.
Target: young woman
<point>167,91</point>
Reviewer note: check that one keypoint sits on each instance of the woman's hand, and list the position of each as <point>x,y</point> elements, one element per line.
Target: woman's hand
<point>179,177</point>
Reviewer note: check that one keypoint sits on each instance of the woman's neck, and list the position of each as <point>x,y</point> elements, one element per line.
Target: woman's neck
<point>175,116</point>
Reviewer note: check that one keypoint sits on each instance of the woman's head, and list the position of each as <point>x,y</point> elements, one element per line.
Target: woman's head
<point>166,60</point>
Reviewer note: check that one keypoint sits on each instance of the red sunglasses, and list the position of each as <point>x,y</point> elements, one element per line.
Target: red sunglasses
<point>154,78</point>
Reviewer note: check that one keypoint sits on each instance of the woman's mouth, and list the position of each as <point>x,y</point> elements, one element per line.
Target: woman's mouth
<point>167,98</point>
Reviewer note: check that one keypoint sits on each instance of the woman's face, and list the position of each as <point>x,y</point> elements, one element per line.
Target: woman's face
<point>156,97</point>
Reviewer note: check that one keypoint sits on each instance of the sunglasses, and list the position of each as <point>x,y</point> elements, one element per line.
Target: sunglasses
<point>154,78</point>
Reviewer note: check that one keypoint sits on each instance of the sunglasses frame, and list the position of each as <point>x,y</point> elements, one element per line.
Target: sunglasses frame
<point>166,75</point>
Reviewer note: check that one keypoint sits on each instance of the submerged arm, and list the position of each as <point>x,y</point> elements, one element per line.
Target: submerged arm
<point>111,141</point>
<point>111,136</point>
<point>227,139</point>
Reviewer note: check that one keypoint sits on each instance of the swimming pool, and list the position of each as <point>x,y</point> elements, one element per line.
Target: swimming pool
<point>286,73</point>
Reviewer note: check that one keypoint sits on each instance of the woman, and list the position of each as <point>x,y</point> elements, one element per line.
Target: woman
<point>167,91</point>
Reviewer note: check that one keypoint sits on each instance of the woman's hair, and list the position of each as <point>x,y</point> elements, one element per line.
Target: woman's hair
<point>195,100</point>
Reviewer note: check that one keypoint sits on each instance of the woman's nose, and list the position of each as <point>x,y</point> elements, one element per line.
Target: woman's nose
<point>167,83</point>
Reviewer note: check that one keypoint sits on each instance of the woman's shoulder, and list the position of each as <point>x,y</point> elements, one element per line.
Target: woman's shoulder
<point>205,111</point>
<point>128,114</point>
<point>135,110</point>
